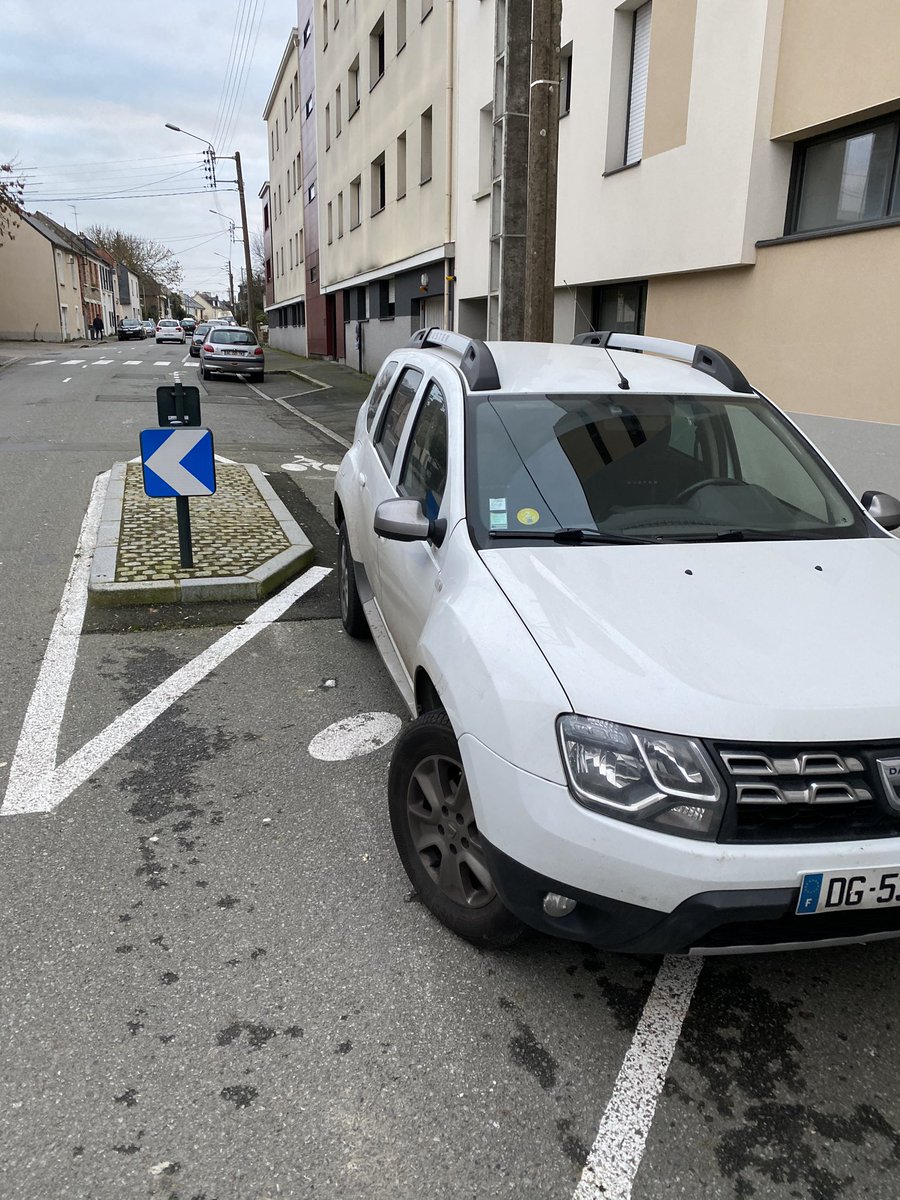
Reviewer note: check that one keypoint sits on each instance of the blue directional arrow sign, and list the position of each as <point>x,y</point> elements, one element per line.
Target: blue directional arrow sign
<point>178,462</point>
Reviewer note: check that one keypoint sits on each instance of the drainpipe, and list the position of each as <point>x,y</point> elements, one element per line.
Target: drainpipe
<point>448,169</point>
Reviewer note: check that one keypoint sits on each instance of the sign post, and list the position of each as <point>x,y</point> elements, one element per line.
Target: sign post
<point>179,462</point>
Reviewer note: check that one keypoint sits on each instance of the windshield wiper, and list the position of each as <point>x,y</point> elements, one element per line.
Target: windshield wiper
<point>753,535</point>
<point>575,537</point>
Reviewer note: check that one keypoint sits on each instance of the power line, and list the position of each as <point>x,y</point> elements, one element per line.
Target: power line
<point>231,68</point>
<point>104,162</point>
<point>237,111</point>
<point>139,196</point>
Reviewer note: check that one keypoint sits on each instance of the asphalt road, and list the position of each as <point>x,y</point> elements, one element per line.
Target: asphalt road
<point>216,983</point>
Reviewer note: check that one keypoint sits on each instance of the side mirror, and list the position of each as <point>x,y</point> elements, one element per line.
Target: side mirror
<point>882,508</point>
<point>403,520</point>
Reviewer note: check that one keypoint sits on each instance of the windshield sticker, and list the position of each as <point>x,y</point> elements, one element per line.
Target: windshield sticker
<point>528,516</point>
<point>498,520</point>
<point>496,504</point>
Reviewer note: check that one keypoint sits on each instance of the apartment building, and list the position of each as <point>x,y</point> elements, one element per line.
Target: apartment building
<point>728,173</point>
<point>41,295</point>
<point>287,313</point>
<point>384,113</point>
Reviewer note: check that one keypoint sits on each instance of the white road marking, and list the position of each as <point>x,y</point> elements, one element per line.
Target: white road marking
<point>619,1146</point>
<point>103,362</point>
<point>71,362</point>
<point>354,736</point>
<point>320,386</point>
<point>132,362</point>
<point>42,362</point>
<point>303,417</point>
<point>164,362</point>
<point>35,755</point>
<point>50,786</point>
<point>67,379</point>
<point>302,463</point>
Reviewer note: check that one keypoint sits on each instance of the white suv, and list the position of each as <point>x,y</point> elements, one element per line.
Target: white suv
<point>647,637</point>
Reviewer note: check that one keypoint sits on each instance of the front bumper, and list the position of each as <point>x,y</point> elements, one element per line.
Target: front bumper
<point>648,892</point>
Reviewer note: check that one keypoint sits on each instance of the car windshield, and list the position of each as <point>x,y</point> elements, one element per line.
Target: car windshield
<point>233,337</point>
<point>130,323</point>
<point>645,468</point>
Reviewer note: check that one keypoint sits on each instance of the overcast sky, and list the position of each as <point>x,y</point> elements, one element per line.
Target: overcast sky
<point>86,89</point>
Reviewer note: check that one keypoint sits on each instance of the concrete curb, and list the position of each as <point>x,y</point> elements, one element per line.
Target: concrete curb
<point>103,589</point>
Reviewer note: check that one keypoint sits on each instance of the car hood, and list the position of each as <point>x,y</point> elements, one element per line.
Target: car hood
<point>781,641</point>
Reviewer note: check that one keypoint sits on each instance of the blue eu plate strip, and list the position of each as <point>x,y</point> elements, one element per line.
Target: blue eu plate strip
<point>809,894</point>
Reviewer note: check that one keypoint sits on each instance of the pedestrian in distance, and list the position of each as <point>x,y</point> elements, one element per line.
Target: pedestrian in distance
<point>98,327</point>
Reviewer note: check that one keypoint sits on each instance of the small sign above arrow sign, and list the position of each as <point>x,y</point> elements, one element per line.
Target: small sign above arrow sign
<point>178,462</point>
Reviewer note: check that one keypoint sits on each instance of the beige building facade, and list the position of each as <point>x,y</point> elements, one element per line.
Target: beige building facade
<point>384,123</point>
<point>286,314</point>
<point>728,173</point>
<point>40,285</point>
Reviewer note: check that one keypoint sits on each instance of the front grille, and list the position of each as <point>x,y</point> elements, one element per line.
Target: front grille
<point>808,793</point>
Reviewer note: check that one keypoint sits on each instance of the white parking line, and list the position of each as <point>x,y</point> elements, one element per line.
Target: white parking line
<point>622,1138</point>
<point>36,784</point>
<point>303,417</point>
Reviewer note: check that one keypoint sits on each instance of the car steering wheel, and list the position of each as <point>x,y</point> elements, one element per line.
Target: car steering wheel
<point>693,488</point>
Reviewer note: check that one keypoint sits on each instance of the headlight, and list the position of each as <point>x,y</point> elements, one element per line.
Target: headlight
<point>656,779</point>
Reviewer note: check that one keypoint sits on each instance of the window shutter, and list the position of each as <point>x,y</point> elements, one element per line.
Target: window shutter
<point>637,100</point>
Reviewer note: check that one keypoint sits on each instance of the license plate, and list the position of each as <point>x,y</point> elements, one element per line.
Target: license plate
<point>235,353</point>
<point>831,891</point>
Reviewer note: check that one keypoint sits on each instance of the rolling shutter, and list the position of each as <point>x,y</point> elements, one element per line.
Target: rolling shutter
<point>637,98</point>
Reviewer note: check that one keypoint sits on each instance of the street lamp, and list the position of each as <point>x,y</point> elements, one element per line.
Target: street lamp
<point>236,158</point>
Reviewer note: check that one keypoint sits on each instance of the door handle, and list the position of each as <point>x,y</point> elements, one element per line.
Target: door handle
<point>362,479</point>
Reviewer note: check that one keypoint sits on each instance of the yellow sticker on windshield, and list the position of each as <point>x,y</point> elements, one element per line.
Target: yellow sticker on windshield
<point>528,516</point>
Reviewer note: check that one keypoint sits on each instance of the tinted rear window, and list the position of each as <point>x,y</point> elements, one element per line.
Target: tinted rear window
<point>233,337</point>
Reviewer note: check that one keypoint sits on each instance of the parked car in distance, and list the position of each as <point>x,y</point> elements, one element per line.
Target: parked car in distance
<point>197,338</point>
<point>188,324</point>
<point>149,326</point>
<point>232,350</point>
<point>130,328</point>
<point>643,629</point>
<point>169,330</point>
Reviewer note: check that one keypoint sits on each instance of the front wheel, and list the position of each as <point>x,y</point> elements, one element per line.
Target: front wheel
<point>437,837</point>
<point>353,618</point>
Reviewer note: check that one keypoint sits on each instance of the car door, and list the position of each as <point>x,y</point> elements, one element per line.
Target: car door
<point>408,572</point>
<point>376,462</point>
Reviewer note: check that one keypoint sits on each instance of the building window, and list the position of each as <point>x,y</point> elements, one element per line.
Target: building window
<point>427,6</point>
<point>485,149</point>
<point>325,23</point>
<point>338,114</point>
<point>265,216</point>
<point>377,182</point>
<point>355,188</point>
<point>620,307</point>
<point>302,307</point>
<point>307,32</point>
<point>330,224</point>
<point>287,185</point>
<point>290,254</point>
<point>401,24</point>
<point>296,92</point>
<point>340,214</point>
<point>313,274</point>
<point>376,52</point>
<point>268,270</point>
<point>311,192</point>
<point>637,85</point>
<point>284,102</point>
<point>846,178</point>
<point>386,298</point>
<point>280,201</point>
<point>298,173</point>
<point>308,106</point>
<point>272,145</point>
<point>565,79</point>
<point>327,126</point>
<point>298,242</point>
<point>353,87</point>
<point>425,147</point>
<point>401,165</point>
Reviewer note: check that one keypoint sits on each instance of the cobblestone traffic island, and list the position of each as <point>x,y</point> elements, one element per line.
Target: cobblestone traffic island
<point>245,542</point>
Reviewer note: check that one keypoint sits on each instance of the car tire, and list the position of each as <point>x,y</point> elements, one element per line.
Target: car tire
<point>203,373</point>
<point>440,847</point>
<point>262,377</point>
<point>353,617</point>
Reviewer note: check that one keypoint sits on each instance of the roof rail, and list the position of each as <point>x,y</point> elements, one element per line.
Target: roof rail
<point>701,358</point>
<point>475,360</point>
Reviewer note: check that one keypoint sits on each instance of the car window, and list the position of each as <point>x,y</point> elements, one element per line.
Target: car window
<point>379,387</point>
<point>391,428</point>
<point>425,470</point>
<point>233,337</point>
<point>648,466</point>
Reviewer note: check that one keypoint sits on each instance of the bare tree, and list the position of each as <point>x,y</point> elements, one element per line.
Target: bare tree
<point>12,191</point>
<point>258,253</point>
<point>149,260</point>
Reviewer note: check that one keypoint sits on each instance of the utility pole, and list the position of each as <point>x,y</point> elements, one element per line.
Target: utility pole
<point>240,187</point>
<point>231,287</point>
<point>543,154</point>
